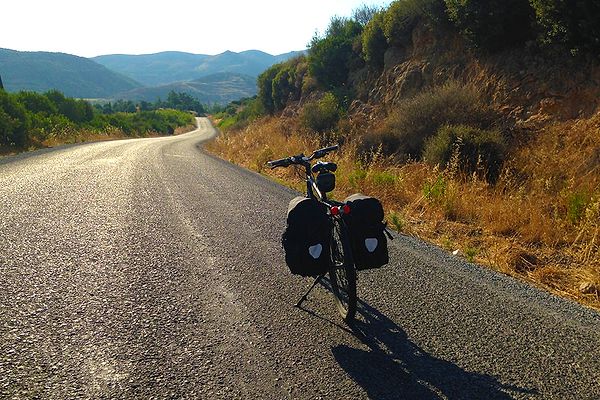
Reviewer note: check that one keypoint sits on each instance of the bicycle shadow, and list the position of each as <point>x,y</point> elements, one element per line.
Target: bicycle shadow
<point>396,368</point>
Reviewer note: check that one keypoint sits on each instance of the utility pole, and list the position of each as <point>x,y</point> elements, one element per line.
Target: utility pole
<point>1,85</point>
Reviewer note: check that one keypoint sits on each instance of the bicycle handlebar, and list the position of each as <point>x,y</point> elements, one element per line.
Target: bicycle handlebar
<point>301,159</point>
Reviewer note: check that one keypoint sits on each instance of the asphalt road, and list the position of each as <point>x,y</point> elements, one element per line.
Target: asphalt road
<point>148,269</point>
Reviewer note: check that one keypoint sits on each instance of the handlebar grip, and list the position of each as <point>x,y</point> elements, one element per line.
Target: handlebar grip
<point>283,162</point>
<point>330,148</point>
<point>322,152</point>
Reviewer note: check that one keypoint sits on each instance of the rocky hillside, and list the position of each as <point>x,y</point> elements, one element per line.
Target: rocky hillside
<point>482,140</point>
<point>527,86</point>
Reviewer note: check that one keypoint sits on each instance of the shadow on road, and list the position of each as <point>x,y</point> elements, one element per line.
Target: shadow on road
<point>396,368</point>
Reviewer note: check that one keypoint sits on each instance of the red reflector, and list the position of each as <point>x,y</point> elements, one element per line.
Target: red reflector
<point>335,210</point>
<point>346,209</point>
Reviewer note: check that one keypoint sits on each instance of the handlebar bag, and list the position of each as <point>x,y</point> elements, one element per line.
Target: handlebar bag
<point>366,227</point>
<point>307,237</point>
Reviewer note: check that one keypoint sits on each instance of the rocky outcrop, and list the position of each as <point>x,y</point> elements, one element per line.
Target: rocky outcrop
<point>527,87</point>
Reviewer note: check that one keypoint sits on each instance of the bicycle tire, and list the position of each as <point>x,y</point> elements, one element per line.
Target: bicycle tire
<point>342,273</point>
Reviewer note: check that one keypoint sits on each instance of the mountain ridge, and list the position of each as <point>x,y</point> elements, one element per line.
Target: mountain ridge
<point>143,77</point>
<point>171,66</point>
<point>75,76</point>
<point>222,88</point>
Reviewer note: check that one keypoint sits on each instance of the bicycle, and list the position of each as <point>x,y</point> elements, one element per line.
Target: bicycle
<point>342,273</point>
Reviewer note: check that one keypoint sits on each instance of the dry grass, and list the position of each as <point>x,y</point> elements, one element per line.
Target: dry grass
<point>540,222</point>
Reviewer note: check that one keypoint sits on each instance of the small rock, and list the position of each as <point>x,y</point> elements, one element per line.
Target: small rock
<point>588,288</point>
<point>522,261</point>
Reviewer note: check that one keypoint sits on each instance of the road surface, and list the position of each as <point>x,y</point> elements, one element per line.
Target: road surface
<point>148,269</point>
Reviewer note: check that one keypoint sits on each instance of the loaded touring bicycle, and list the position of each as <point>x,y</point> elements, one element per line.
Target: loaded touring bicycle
<point>324,236</point>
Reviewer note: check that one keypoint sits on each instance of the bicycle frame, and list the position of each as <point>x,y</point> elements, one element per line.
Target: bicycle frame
<point>335,213</point>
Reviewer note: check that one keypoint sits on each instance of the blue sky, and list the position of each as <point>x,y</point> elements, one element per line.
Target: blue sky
<point>91,28</point>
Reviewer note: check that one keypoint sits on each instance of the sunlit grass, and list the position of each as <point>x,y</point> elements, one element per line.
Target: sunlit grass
<point>540,221</point>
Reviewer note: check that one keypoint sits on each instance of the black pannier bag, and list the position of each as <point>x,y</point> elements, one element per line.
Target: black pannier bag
<point>306,239</point>
<point>367,236</point>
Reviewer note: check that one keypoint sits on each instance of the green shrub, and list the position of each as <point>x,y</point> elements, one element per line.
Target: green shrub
<point>435,190</point>
<point>577,203</point>
<point>46,126</point>
<point>472,149</point>
<point>281,83</point>
<point>575,24</point>
<point>374,43</point>
<point>415,120</point>
<point>240,117</point>
<point>36,103</point>
<point>321,115</point>
<point>265,87</point>
<point>399,20</point>
<point>493,24</point>
<point>357,177</point>
<point>14,123</point>
<point>331,57</point>
<point>77,111</point>
<point>397,221</point>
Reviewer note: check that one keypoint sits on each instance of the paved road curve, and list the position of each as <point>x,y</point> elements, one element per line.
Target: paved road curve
<point>148,269</point>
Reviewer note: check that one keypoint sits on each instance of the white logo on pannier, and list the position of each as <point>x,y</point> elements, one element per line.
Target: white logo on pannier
<point>371,244</point>
<point>315,251</point>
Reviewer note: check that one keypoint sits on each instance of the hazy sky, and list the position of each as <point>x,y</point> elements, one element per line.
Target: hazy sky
<point>90,28</point>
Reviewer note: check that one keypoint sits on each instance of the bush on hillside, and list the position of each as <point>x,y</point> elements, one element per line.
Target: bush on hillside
<point>265,88</point>
<point>364,14</point>
<point>374,43</point>
<point>403,15</point>
<point>573,24</point>
<point>281,83</point>
<point>241,115</point>
<point>470,149</point>
<point>493,24</point>
<point>322,115</point>
<point>416,119</point>
<point>331,57</point>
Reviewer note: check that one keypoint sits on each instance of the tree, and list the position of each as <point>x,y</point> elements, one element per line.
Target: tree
<point>493,24</point>
<point>1,85</point>
<point>265,87</point>
<point>330,57</point>
<point>374,43</point>
<point>13,121</point>
<point>575,24</point>
<point>364,14</point>
<point>37,103</point>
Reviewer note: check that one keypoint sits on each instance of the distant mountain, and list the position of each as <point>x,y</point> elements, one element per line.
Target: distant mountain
<point>216,88</point>
<point>164,68</point>
<point>72,75</point>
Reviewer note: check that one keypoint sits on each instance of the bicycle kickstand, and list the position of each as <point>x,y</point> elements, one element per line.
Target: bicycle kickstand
<point>299,303</point>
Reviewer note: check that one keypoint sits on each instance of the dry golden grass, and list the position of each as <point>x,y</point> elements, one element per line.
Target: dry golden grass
<point>540,222</point>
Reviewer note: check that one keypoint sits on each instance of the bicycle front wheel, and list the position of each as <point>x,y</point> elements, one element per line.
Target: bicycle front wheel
<point>342,273</point>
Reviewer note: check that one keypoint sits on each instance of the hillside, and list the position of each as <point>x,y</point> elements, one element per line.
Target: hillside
<point>219,88</point>
<point>72,75</point>
<point>167,67</point>
<point>483,140</point>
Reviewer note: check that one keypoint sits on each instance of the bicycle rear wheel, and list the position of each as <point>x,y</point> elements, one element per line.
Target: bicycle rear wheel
<point>342,273</point>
